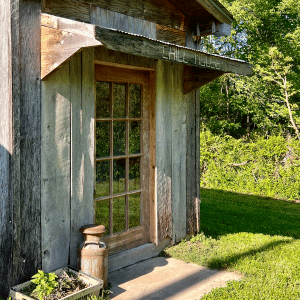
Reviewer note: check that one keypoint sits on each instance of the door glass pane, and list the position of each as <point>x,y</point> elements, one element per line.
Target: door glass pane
<point>135,137</point>
<point>119,176</point>
<point>102,214</point>
<point>102,100</point>
<point>118,214</point>
<point>134,173</point>
<point>134,101</point>
<point>119,100</point>
<point>102,179</point>
<point>134,210</point>
<point>102,139</point>
<point>119,137</point>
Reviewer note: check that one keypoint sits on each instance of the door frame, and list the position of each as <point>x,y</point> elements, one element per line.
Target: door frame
<point>147,231</point>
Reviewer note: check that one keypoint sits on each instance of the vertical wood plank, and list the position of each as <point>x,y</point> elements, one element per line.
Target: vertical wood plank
<point>82,81</point>
<point>56,169</point>
<point>191,161</point>
<point>77,157</point>
<point>198,200</point>
<point>110,19</point>
<point>178,112</point>
<point>26,100</point>
<point>164,149</point>
<point>145,161</point>
<point>193,151</point>
<point>152,183</point>
<point>6,192</point>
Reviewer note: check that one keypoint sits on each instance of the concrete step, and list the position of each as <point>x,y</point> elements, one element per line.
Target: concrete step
<point>134,255</point>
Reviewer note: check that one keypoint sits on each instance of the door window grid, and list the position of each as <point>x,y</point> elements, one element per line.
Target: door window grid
<point>131,207</point>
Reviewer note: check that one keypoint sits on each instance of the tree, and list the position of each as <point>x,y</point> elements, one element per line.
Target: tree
<point>277,68</point>
<point>259,102</point>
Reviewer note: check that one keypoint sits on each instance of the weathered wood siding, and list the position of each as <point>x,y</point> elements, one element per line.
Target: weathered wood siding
<point>179,141</point>
<point>82,146</point>
<point>67,158</point>
<point>20,139</point>
<point>163,13</point>
<point>170,151</point>
<point>164,149</point>
<point>191,85</point>
<point>6,148</point>
<point>192,162</point>
<point>177,154</point>
<point>119,59</point>
<point>27,140</point>
<point>56,169</point>
<point>110,19</point>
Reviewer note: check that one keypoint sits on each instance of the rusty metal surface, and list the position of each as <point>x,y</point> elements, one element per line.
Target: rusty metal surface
<point>93,253</point>
<point>93,229</point>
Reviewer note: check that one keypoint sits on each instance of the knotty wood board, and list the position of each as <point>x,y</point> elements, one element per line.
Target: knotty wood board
<point>110,19</point>
<point>6,149</point>
<point>56,164</point>
<point>179,140</point>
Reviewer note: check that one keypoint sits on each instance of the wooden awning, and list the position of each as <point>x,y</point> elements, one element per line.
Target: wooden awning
<point>61,38</point>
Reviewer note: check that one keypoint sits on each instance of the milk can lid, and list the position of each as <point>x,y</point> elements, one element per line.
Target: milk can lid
<point>93,229</point>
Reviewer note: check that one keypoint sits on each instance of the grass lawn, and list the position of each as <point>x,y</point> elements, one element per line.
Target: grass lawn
<point>254,236</point>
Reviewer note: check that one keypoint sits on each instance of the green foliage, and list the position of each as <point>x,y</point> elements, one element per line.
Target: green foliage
<point>254,236</point>
<point>268,167</point>
<point>104,296</point>
<point>266,33</point>
<point>45,283</point>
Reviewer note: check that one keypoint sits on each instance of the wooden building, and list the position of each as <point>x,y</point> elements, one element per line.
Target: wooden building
<point>100,123</point>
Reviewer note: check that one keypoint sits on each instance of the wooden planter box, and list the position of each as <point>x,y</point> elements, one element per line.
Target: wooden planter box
<point>94,289</point>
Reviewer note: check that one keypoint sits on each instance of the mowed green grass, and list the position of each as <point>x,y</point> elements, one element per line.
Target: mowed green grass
<point>118,207</point>
<point>254,236</point>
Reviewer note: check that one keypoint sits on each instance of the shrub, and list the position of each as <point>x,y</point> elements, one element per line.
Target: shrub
<point>265,166</point>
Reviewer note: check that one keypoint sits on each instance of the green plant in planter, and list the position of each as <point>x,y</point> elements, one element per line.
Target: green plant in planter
<point>45,283</point>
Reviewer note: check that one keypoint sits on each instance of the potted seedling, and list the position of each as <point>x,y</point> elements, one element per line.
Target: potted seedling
<point>66,283</point>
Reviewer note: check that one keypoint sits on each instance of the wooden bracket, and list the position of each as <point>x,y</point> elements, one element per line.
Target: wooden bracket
<point>58,45</point>
<point>194,78</point>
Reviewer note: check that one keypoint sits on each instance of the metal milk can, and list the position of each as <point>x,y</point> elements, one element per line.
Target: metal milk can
<point>93,252</point>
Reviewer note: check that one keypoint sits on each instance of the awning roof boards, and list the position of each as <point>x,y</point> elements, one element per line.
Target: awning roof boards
<point>61,38</point>
<point>202,8</point>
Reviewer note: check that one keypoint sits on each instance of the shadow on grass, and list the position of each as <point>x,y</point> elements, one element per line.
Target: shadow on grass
<point>221,263</point>
<point>225,212</point>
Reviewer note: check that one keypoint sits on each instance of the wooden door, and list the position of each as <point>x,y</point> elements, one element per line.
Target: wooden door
<point>122,156</point>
